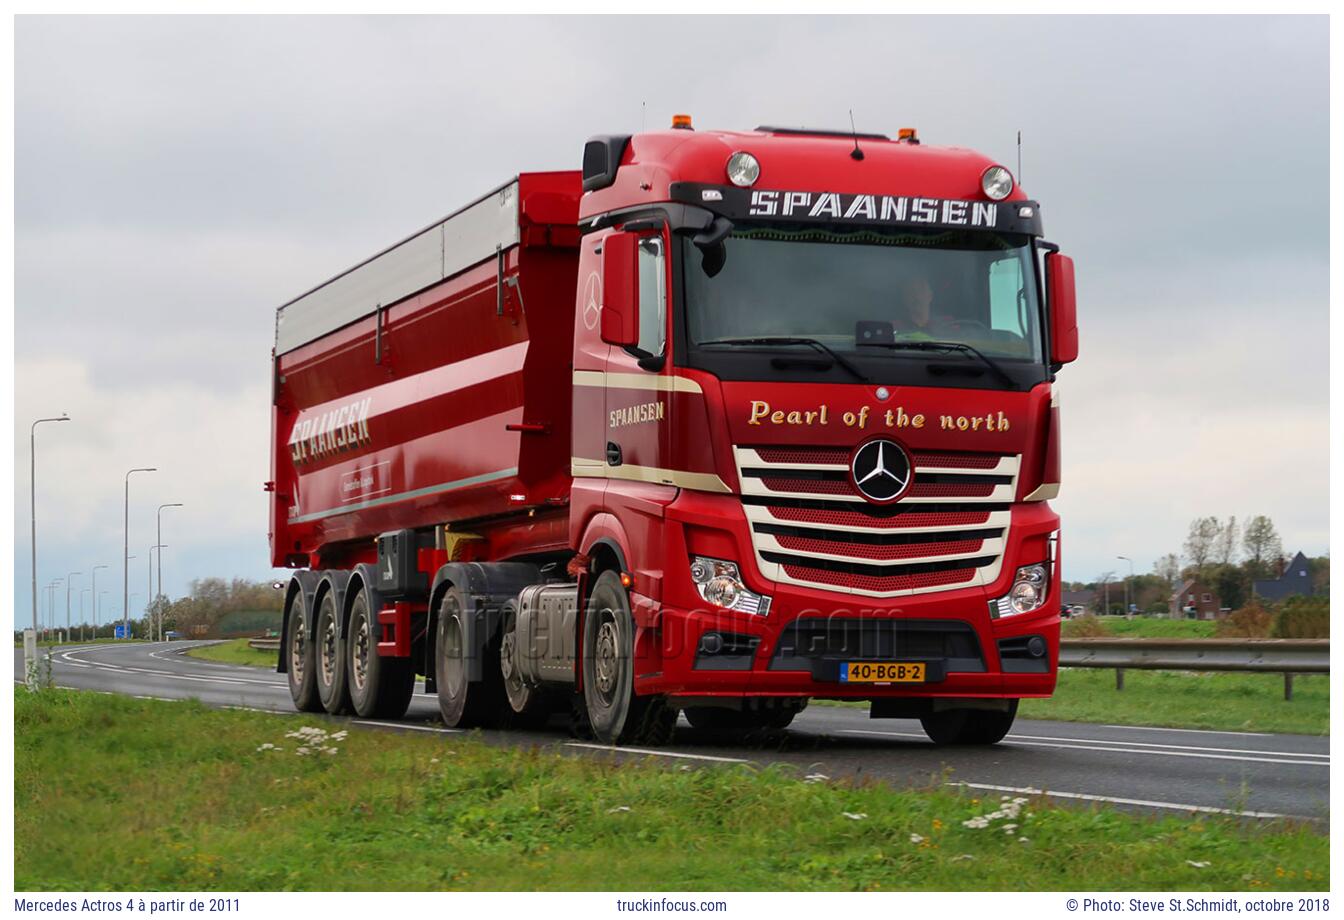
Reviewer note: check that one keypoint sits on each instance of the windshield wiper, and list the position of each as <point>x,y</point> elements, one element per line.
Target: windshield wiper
<point>770,340</point>
<point>921,345</point>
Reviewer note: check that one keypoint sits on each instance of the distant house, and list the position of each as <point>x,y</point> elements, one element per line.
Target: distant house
<point>1078,602</point>
<point>1295,579</point>
<point>1196,601</point>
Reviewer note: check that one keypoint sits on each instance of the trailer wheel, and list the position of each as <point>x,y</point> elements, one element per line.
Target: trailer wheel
<point>969,726</point>
<point>616,713</point>
<point>302,682</point>
<point>329,659</point>
<point>380,687</point>
<point>463,703</point>
<point>531,706</point>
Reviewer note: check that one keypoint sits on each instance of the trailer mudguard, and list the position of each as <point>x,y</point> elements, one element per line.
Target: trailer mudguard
<point>335,581</point>
<point>486,586</point>
<point>303,582</point>
<point>364,576</point>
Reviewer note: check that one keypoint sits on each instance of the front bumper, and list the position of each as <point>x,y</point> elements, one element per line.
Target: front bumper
<point>694,650</point>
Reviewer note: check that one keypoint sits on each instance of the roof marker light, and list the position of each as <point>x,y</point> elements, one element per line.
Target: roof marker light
<point>682,122</point>
<point>743,169</point>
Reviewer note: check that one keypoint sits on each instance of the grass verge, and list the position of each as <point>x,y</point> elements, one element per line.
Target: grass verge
<point>193,799</point>
<point>235,651</point>
<point>1153,628</point>
<point>1183,699</point>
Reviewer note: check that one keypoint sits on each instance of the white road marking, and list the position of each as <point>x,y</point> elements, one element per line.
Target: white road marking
<point>415,728</point>
<point>1088,797</point>
<point>1201,731</point>
<point>1015,739</point>
<point>1174,747</point>
<point>655,753</point>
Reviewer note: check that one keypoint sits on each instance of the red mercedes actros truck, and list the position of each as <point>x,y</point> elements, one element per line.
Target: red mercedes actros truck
<point>724,422</point>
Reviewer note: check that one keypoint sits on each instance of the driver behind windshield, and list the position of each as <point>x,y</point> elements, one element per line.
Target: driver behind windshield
<point>915,317</point>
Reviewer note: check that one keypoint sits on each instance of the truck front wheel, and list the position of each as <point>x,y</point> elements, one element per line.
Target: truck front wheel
<point>299,648</point>
<point>969,726</point>
<point>616,714</point>
<point>379,687</point>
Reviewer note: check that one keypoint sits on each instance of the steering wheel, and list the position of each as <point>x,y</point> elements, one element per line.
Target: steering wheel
<point>967,323</point>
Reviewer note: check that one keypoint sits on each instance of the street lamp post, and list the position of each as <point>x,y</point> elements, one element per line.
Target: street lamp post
<point>32,497</point>
<point>158,538</point>
<point>98,606</point>
<point>51,606</point>
<point>154,603</point>
<point>1128,615</point>
<point>125,550</point>
<point>83,620</point>
<point>96,595</point>
<point>69,578</point>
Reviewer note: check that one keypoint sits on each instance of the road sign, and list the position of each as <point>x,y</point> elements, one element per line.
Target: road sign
<point>119,632</point>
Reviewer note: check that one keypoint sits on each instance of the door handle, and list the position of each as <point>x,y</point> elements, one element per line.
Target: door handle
<point>613,454</point>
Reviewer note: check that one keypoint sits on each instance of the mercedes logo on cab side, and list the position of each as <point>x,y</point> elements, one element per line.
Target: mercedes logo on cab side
<point>881,470</point>
<point>592,301</point>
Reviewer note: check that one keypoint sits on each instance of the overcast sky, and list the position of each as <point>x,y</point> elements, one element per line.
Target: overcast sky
<point>178,178</point>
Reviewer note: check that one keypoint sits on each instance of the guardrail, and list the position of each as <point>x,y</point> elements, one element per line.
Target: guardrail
<point>1285,656</point>
<point>265,645</point>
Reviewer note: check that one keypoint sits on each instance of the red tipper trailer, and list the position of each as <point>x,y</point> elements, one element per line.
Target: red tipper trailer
<point>724,422</point>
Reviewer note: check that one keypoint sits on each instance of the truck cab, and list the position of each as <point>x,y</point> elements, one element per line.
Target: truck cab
<point>815,420</point>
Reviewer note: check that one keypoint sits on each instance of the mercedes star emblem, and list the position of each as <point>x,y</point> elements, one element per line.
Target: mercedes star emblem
<point>881,470</point>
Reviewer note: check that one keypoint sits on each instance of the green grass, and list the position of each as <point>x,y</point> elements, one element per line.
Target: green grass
<point>1182,699</point>
<point>235,651</point>
<point>185,798</point>
<point>1154,628</point>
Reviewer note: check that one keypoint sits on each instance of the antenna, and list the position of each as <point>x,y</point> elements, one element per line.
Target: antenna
<point>1019,158</point>
<point>856,153</point>
<point>643,120</point>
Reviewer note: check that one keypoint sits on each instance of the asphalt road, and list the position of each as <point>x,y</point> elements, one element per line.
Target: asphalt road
<point>1147,769</point>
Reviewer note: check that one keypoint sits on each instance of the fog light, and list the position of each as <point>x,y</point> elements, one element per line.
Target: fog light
<point>720,583</point>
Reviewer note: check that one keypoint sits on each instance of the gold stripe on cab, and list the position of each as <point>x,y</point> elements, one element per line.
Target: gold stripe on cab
<point>702,482</point>
<point>635,382</point>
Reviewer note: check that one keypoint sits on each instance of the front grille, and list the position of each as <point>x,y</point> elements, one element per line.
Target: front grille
<point>810,526</point>
<point>808,641</point>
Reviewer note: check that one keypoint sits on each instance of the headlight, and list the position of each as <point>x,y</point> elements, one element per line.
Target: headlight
<point>720,584</point>
<point>743,169</point>
<point>997,182</point>
<point>1030,585</point>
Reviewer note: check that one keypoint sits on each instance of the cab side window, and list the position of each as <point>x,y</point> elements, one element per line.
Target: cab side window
<point>652,297</point>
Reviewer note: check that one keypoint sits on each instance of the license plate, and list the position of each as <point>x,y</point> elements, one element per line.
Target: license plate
<point>883,672</point>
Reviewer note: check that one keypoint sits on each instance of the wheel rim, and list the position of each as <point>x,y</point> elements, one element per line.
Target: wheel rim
<point>451,656</point>
<point>360,659</point>
<point>296,649</point>
<point>606,663</point>
<point>328,653</point>
<point>512,679</point>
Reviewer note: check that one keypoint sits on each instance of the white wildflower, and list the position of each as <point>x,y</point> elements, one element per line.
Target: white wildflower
<point>433,760</point>
<point>1197,865</point>
<point>612,811</point>
<point>916,838</point>
<point>963,856</point>
<point>854,816</point>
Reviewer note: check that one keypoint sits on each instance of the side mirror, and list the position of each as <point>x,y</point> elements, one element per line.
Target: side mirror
<point>1063,308</point>
<point>620,289</point>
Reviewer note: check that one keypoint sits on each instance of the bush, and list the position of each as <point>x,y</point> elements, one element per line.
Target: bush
<point>1086,626</point>
<point>1303,618</point>
<point>1250,622</point>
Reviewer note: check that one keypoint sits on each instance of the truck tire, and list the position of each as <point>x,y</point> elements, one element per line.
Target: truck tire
<point>735,723</point>
<point>329,658</point>
<point>531,706</point>
<point>464,703</point>
<point>380,688</point>
<point>302,681</point>
<point>969,726</point>
<point>617,715</point>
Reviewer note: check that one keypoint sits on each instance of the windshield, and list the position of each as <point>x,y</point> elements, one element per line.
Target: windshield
<point>866,292</point>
